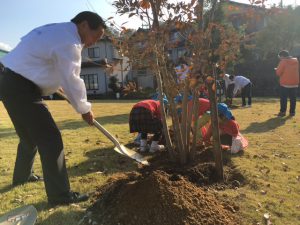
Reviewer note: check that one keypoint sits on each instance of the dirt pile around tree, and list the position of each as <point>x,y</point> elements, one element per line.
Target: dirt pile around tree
<point>158,199</point>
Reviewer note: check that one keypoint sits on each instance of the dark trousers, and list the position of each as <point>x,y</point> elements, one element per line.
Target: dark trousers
<point>284,94</point>
<point>229,94</point>
<point>37,131</point>
<point>226,139</point>
<point>229,91</point>
<point>247,92</point>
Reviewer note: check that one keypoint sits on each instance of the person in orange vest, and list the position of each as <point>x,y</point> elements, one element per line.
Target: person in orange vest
<point>288,72</point>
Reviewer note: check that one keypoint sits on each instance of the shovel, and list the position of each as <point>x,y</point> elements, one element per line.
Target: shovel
<point>121,149</point>
<point>25,215</point>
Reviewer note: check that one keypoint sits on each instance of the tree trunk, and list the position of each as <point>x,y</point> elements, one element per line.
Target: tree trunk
<point>177,133</point>
<point>184,130</point>
<point>195,131</point>
<point>164,117</point>
<point>190,118</point>
<point>215,130</point>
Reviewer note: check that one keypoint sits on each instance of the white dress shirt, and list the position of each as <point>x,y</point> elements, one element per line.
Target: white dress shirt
<point>227,80</point>
<point>239,83</point>
<point>50,56</point>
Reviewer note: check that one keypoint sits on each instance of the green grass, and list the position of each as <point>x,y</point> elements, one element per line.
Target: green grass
<point>270,164</point>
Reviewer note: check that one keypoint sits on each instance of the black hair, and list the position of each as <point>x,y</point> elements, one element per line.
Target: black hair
<point>283,53</point>
<point>93,19</point>
<point>231,77</point>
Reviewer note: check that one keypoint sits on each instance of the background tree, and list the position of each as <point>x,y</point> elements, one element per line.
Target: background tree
<point>261,49</point>
<point>114,84</point>
<point>282,31</point>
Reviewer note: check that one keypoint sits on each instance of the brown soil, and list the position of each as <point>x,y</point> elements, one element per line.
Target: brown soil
<point>157,199</point>
<point>165,194</point>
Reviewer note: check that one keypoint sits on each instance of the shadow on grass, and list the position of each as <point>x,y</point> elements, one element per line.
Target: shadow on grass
<point>71,216</point>
<point>77,124</point>
<point>104,160</point>
<point>270,124</point>
<point>6,188</point>
<point>7,132</point>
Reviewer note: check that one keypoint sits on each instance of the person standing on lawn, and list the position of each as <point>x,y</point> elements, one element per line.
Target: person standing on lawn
<point>244,86</point>
<point>288,72</point>
<point>47,58</point>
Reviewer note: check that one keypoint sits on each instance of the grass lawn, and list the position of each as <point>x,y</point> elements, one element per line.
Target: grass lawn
<point>270,164</point>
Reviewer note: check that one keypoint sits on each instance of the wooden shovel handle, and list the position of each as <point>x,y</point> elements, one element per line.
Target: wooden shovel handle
<point>106,133</point>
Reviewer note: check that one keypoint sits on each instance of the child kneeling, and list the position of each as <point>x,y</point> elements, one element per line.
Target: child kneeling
<point>144,118</point>
<point>230,136</point>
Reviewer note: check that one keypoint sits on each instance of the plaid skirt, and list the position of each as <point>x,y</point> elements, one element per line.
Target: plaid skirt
<point>141,120</point>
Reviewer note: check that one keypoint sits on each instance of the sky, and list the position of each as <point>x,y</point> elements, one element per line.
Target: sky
<point>18,17</point>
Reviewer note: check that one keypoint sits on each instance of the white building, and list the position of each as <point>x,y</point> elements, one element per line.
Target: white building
<point>93,69</point>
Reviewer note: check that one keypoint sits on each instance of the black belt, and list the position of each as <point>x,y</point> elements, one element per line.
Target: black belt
<point>9,74</point>
<point>2,68</point>
<point>5,69</point>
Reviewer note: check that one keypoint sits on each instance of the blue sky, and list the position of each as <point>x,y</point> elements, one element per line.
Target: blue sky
<point>18,17</point>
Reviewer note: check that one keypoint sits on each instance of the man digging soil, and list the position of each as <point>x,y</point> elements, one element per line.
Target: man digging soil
<point>47,58</point>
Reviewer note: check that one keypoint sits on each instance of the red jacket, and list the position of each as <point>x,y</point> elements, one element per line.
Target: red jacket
<point>204,105</point>
<point>288,71</point>
<point>151,105</point>
<point>230,127</point>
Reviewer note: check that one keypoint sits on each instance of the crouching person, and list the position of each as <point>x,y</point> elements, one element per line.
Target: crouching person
<point>202,119</point>
<point>230,136</point>
<point>145,117</point>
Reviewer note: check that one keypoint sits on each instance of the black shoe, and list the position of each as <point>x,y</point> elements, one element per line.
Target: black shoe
<point>32,178</point>
<point>71,197</point>
<point>281,114</point>
<point>35,178</point>
<point>292,114</point>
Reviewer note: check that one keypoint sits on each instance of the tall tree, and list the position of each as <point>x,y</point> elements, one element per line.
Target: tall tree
<point>282,31</point>
<point>208,44</point>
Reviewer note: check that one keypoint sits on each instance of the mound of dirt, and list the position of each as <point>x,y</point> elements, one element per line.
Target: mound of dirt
<point>201,172</point>
<point>158,198</point>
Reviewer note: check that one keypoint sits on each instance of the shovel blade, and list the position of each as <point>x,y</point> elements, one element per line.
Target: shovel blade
<point>131,154</point>
<point>25,215</point>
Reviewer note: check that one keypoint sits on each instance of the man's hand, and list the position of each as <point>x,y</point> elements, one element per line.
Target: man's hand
<point>88,117</point>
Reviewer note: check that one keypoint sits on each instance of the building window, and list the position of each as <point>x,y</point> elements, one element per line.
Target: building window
<point>142,72</point>
<point>174,36</point>
<point>94,52</point>
<point>181,52</point>
<point>91,81</point>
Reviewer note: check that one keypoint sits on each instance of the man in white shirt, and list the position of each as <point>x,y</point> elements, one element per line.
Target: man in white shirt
<point>244,86</point>
<point>229,87</point>
<point>47,58</point>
